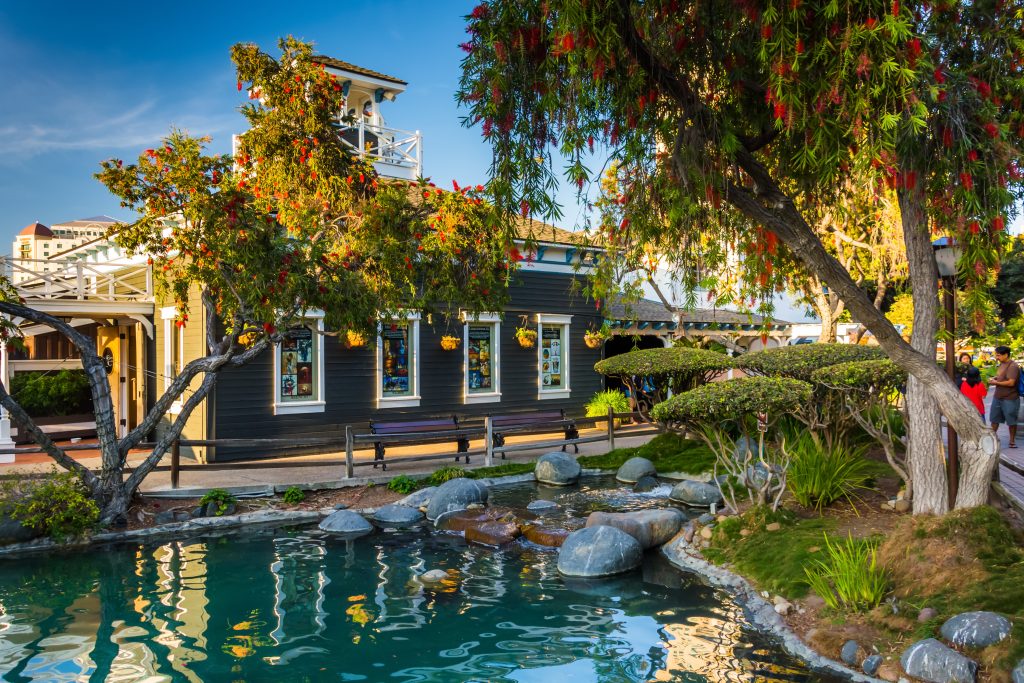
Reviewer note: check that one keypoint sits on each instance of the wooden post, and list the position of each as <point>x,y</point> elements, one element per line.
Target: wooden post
<point>952,445</point>
<point>175,462</point>
<point>348,452</point>
<point>488,441</point>
<point>611,428</point>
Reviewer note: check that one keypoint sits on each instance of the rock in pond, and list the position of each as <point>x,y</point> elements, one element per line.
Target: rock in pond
<point>433,576</point>
<point>633,469</point>
<point>546,536</point>
<point>496,533</point>
<point>932,661</point>
<point>599,551</point>
<point>976,629</point>
<point>396,516</point>
<point>645,484</point>
<point>346,523</point>
<point>557,468</point>
<point>696,493</point>
<point>418,499</point>
<point>870,665</point>
<point>455,495</point>
<point>542,506</point>
<point>13,531</point>
<point>649,527</point>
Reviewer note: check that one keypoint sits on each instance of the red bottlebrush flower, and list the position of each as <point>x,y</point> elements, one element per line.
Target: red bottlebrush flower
<point>590,142</point>
<point>940,77</point>
<point>426,194</point>
<point>466,47</point>
<point>870,23</point>
<point>766,31</point>
<point>972,155</point>
<point>568,43</point>
<point>799,46</point>
<point>967,181</point>
<point>942,96</point>
<point>524,208</point>
<point>479,188</point>
<point>780,110</point>
<point>947,137</point>
<point>624,224</point>
<point>362,178</point>
<point>479,12</point>
<point>269,328</point>
<point>515,255</point>
<point>895,8</point>
<point>239,86</point>
<point>998,224</point>
<point>992,130</point>
<point>455,184</point>
<point>974,227</point>
<point>984,89</point>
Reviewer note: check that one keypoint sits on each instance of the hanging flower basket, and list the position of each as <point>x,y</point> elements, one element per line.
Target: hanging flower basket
<point>526,337</point>
<point>593,340</point>
<point>450,342</point>
<point>354,340</point>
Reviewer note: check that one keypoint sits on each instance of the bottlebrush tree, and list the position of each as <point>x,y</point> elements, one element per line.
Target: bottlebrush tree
<point>293,223</point>
<point>728,116</point>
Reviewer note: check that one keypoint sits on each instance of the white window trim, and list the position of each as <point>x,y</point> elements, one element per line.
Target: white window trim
<point>413,401</point>
<point>494,320</point>
<point>565,391</point>
<point>318,404</point>
<point>168,314</point>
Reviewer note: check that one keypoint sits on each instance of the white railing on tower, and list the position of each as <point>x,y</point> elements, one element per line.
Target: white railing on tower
<point>74,279</point>
<point>394,152</point>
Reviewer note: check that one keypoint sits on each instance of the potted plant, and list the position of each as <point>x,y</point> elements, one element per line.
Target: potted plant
<point>594,338</point>
<point>354,340</point>
<point>526,337</point>
<point>450,342</point>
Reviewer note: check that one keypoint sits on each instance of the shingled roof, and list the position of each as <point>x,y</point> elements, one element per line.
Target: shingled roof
<point>347,66</point>
<point>648,310</point>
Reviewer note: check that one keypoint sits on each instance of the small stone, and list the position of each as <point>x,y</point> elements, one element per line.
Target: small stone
<point>783,608</point>
<point>901,495</point>
<point>778,600</point>
<point>871,664</point>
<point>976,629</point>
<point>705,544</point>
<point>814,549</point>
<point>927,614</point>
<point>707,532</point>
<point>722,518</point>
<point>888,671</point>
<point>814,601</point>
<point>433,576</point>
<point>765,594</point>
<point>646,484</point>
<point>850,653</point>
<point>493,534</point>
<point>340,506</point>
<point>166,517</point>
<point>475,506</point>
<point>902,505</point>
<point>346,523</point>
<point>705,519</point>
<point>774,526</point>
<point>552,538</point>
<point>542,506</point>
<point>688,532</point>
<point>887,505</point>
<point>745,532</point>
<point>199,511</point>
<point>801,610</point>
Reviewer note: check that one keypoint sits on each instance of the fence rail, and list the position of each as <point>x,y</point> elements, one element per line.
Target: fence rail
<point>73,279</point>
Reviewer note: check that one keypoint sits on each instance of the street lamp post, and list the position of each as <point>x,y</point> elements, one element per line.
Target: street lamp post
<point>947,253</point>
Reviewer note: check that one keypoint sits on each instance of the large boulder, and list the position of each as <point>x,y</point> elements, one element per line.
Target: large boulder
<point>932,661</point>
<point>634,468</point>
<point>696,493</point>
<point>13,531</point>
<point>455,495</point>
<point>976,629</point>
<point>396,516</point>
<point>646,484</point>
<point>346,523</point>
<point>496,533</point>
<point>558,469</point>
<point>599,551</point>
<point>546,536</point>
<point>649,527</point>
<point>418,499</point>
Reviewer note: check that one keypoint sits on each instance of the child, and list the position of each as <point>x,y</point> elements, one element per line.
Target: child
<point>973,389</point>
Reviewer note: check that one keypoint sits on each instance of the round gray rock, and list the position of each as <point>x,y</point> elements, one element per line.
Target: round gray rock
<point>346,523</point>
<point>418,499</point>
<point>696,493</point>
<point>649,527</point>
<point>13,531</point>
<point>976,629</point>
<point>542,506</point>
<point>396,516</point>
<point>871,664</point>
<point>558,469</point>
<point>646,484</point>
<point>849,652</point>
<point>599,551</point>
<point>433,576</point>
<point>455,495</point>
<point>635,468</point>
<point>932,661</point>
<point>1018,672</point>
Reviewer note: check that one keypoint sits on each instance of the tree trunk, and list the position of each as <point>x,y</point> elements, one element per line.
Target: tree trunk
<point>823,307</point>
<point>925,455</point>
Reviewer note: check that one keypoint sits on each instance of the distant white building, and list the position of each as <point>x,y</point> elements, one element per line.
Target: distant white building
<point>37,244</point>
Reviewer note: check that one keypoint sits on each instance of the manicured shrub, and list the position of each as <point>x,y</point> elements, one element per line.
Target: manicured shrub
<point>820,474</point>
<point>445,474</point>
<point>44,394</point>
<point>58,506</point>
<point>735,400</point>
<point>221,499</point>
<point>603,400</point>
<point>293,495</point>
<point>402,484</point>
<point>849,577</point>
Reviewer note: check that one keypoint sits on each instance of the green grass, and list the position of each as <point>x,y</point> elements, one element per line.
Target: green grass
<point>502,470</point>
<point>668,452</point>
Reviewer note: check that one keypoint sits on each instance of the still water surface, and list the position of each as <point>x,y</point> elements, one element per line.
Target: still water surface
<point>282,605</point>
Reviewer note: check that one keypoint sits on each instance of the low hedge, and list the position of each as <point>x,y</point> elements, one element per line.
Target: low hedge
<point>863,375</point>
<point>679,363</point>
<point>733,399</point>
<point>803,360</point>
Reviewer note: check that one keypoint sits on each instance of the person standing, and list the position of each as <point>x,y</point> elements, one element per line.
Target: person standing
<point>973,388</point>
<point>1006,400</point>
<point>963,363</point>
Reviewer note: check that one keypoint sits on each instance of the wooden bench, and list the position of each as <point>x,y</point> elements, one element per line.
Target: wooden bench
<point>533,423</point>
<point>431,430</point>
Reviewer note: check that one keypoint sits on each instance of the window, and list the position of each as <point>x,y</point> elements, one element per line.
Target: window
<point>482,358</point>
<point>398,362</point>
<point>553,355</point>
<point>299,370</point>
<point>174,349</point>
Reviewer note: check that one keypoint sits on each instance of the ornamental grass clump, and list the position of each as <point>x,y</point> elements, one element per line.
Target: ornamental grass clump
<point>603,400</point>
<point>849,577</point>
<point>821,474</point>
<point>444,474</point>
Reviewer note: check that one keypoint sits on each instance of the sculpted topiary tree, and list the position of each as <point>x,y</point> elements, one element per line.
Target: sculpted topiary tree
<point>726,415</point>
<point>665,371</point>
<point>726,116</point>
<point>293,223</point>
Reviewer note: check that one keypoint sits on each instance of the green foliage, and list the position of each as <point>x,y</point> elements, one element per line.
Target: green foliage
<point>58,506</point>
<point>820,475</point>
<point>44,394</point>
<point>802,360</point>
<point>220,498</point>
<point>503,470</point>
<point>1009,287</point>
<point>603,400</point>
<point>732,400</point>
<point>682,365</point>
<point>849,577</point>
<point>402,484</point>
<point>293,495</point>
<point>669,452</point>
<point>864,375</point>
<point>444,474</point>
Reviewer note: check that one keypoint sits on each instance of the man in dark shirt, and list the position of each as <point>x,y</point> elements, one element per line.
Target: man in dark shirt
<point>1005,401</point>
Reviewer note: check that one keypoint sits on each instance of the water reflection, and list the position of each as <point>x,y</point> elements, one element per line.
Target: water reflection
<point>240,608</point>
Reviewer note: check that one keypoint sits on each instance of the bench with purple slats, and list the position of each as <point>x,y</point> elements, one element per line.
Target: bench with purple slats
<point>431,430</point>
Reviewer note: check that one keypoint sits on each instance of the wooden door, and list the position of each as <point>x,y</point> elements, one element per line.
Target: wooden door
<point>112,345</point>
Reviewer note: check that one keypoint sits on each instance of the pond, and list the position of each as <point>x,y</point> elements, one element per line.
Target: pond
<point>297,605</point>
